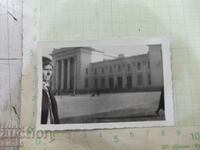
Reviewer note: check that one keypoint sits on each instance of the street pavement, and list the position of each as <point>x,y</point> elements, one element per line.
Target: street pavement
<point>108,107</point>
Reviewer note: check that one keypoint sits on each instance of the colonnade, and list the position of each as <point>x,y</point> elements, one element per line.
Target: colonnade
<point>65,74</point>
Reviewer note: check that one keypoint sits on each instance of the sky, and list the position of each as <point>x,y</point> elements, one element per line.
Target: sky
<point>127,50</point>
<point>116,50</point>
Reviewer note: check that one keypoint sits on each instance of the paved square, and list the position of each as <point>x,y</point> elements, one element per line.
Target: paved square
<point>141,104</point>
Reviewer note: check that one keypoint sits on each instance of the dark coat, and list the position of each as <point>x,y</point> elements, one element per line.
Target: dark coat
<point>161,103</point>
<point>45,102</point>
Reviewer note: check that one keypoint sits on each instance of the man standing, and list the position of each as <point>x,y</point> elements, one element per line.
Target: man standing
<point>161,102</point>
<point>49,113</point>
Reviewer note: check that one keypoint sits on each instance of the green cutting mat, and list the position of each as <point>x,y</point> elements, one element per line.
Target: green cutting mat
<point>178,20</point>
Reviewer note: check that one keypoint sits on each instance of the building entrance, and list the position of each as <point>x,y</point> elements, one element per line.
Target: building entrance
<point>111,83</point>
<point>129,82</point>
<point>119,82</point>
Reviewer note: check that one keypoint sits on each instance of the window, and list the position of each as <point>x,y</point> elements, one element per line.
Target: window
<point>95,83</point>
<point>138,66</point>
<point>149,78</point>
<point>102,70</point>
<point>103,82</point>
<point>110,69</point>
<point>129,81</point>
<point>86,83</point>
<point>119,68</point>
<point>95,70</point>
<point>119,82</point>
<point>148,64</point>
<point>128,67</point>
<point>111,82</point>
<point>86,70</point>
<point>139,79</point>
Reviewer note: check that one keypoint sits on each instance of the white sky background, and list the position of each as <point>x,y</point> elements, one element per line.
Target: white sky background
<point>111,50</point>
<point>46,52</point>
<point>116,50</point>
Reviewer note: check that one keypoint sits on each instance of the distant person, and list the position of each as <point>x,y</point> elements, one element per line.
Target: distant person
<point>49,114</point>
<point>161,102</point>
<point>95,92</point>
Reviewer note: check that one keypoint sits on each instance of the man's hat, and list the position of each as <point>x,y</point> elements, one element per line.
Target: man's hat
<point>46,61</point>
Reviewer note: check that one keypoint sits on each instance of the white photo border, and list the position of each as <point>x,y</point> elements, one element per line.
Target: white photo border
<point>167,76</point>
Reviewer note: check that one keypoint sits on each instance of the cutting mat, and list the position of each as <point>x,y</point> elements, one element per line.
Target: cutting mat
<point>10,65</point>
<point>178,20</point>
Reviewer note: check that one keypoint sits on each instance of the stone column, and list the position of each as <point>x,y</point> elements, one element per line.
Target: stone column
<point>54,76</point>
<point>133,79</point>
<point>57,75</point>
<point>62,75</point>
<point>68,73</point>
<point>124,80</point>
<point>115,81</point>
<point>75,75</point>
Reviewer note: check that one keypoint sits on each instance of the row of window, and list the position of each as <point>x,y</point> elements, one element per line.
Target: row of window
<point>119,68</point>
<point>119,83</point>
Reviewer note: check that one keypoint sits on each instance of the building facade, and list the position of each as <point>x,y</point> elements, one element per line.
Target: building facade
<point>74,73</point>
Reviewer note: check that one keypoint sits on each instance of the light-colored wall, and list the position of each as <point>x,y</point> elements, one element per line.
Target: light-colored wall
<point>124,72</point>
<point>85,61</point>
<point>155,57</point>
<point>78,71</point>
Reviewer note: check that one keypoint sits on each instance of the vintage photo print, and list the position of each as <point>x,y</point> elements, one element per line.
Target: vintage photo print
<point>104,84</point>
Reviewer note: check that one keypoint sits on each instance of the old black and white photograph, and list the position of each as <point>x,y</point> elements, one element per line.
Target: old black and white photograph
<point>104,84</point>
